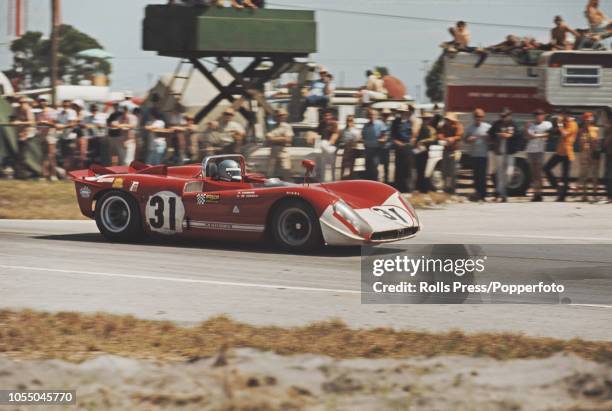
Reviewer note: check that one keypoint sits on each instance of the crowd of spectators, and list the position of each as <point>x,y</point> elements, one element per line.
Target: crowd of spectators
<point>407,136</point>
<point>73,136</point>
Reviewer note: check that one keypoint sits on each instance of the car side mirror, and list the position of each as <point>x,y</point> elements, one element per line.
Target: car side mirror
<point>309,165</point>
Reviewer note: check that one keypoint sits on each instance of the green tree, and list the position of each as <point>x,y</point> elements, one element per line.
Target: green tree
<point>32,58</point>
<point>433,81</point>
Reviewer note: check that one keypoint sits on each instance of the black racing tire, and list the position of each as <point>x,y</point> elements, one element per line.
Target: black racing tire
<point>118,217</point>
<point>295,227</point>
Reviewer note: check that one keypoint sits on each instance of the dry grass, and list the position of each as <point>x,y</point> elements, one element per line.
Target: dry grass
<point>75,337</point>
<point>423,201</point>
<point>38,200</point>
<point>27,199</point>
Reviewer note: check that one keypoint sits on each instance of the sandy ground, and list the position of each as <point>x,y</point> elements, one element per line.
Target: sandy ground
<point>249,380</point>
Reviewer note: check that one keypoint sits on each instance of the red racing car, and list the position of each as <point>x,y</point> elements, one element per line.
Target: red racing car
<point>219,200</point>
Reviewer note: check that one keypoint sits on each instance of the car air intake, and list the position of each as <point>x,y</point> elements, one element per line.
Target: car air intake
<point>394,234</point>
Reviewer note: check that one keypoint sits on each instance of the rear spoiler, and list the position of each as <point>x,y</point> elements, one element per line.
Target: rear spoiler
<point>135,167</point>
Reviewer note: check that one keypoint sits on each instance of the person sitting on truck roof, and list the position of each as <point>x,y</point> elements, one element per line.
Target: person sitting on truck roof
<point>510,44</point>
<point>591,41</point>
<point>598,21</point>
<point>558,35</point>
<point>238,4</point>
<point>461,42</point>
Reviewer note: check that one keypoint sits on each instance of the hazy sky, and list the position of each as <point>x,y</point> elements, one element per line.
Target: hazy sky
<point>348,44</point>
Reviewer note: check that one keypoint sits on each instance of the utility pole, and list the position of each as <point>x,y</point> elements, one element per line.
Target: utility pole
<point>55,23</point>
<point>18,11</point>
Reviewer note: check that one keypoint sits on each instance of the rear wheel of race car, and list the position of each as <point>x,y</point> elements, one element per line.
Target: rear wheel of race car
<point>295,227</point>
<point>118,217</point>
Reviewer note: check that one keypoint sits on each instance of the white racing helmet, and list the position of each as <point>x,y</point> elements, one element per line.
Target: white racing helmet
<point>229,170</point>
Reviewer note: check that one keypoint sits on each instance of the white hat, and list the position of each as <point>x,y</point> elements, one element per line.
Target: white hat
<point>78,102</point>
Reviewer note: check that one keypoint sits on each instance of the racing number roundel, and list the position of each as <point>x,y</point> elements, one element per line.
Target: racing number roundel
<point>165,213</point>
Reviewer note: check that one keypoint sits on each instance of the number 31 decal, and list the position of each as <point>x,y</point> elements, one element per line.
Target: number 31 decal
<point>165,213</point>
<point>391,213</point>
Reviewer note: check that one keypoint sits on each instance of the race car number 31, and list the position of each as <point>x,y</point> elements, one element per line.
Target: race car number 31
<point>165,213</point>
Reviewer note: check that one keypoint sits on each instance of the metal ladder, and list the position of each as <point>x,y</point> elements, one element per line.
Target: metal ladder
<point>178,75</point>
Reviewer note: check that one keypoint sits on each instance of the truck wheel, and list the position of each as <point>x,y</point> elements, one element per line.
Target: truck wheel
<point>519,182</point>
<point>295,227</point>
<point>437,178</point>
<point>118,217</point>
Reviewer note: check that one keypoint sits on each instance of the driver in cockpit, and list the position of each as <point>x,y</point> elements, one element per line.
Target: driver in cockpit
<point>229,170</point>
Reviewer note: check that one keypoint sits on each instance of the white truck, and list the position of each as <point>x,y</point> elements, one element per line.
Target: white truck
<point>576,80</point>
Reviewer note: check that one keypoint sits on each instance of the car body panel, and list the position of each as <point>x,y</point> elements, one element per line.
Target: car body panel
<point>179,201</point>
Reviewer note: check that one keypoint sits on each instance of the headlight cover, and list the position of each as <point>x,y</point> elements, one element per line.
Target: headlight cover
<point>348,215</point>
<point>409,207</point>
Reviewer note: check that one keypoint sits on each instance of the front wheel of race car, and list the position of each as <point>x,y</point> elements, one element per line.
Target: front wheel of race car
<point>295,227</point>
<point>118,217</point>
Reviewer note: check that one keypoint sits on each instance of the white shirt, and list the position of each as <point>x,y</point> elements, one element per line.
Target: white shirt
<point>538,145</point>
<point>98,121</point>
<point>158,124</point>
<point>65,116</point>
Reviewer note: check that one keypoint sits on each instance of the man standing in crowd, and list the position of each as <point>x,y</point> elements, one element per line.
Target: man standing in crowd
<point>82,138</point>
<point>129,123</point>
<point>449,136</point>
<point>176,121</point>
<point>67,119</point>
<point>505,137</point>
<point>401,136</point>
<point>232,132</point>
<point>386,116</point>
<point>329,132</point>
<point>115,134</point>
<point>45,119</point>
<point>24,121</point>
<point>607,149</point>
<point>95,127</point>
<point>589,144</point>
<point>279,163</point>
<point>349,138</point>
<point>564,155</point>
<point>156,127</point>
<point>477,136</point>
<point>425,138</point>
<point>538,133</point>
<point>374,135</point>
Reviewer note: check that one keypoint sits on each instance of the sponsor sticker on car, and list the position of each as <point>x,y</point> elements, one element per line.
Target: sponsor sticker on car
<point>247,194</point>
<point>118,183</point>
<point>85,192</point>
<point>203,199</point>
<point>134,186</point>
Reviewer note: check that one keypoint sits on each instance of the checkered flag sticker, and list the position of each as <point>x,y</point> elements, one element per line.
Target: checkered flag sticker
<point>201,199</point>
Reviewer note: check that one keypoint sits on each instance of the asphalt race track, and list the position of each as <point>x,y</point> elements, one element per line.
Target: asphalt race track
<point>68,266</point>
